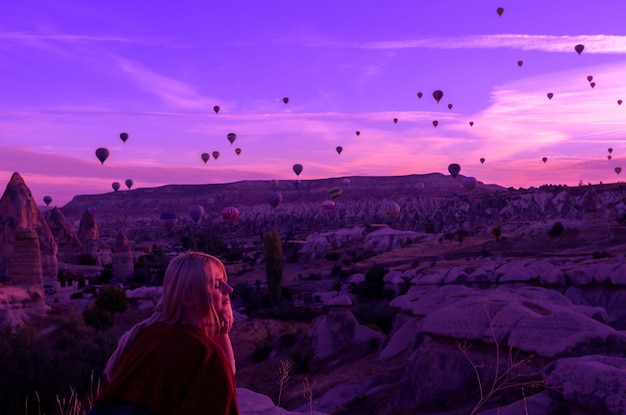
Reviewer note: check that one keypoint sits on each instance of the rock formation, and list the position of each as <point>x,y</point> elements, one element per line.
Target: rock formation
<point>19,210</point>
<point>89,236</point>
<point>69,247</point>
<point>123,262</point>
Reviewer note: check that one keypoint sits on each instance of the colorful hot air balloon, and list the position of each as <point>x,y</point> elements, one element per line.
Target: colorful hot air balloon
<point>102,154</point>
<point>454,169</point>
<point>619,102</point>
<point>419,95</point>
<point>435,123</point>
<point>129,183</point>
<point>285,100</point>
<point>346,181</point>
<point>482,160</point>
<point>357,132</point>
<point>471,123</point>
<point>469,184</point>
<point>216,108</point>
<point>419,186</point>
<point>196,212</point>
<point>124,137</point>
<point>544,159</point>
<point>216,154</point>
<point>339,149</point>
<point>389,210</point>
<point>230,214</point>
<point>618,170</point>
<point>579,48</point>
<point>449,106</point>
<point>334,193</point>
<point>610,149</point>
<point>274,199</point>
<point>500,10</point>
<point>205,157</point>
<point>231,137</point>
<point>609,157</point>
<point>238,151</point>
<point>437,94</point>
<point>520,63</point>
<point>115,186</point>
<point>297,169</point>
<point>592,84</point>
<point>395,120</point>
<point>47,200</point>
<point>550,95</point>
<point>328,205</point>
<point>590,78</point>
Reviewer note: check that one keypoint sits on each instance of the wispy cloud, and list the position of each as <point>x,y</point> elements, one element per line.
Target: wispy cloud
<point>608,44</point>
<point>79,38</point>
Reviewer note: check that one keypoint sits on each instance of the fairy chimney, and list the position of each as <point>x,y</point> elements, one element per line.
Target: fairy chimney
<point>123,262</point>
<point>69,247</point>
<point>18,210</point>
<point>88,228</point>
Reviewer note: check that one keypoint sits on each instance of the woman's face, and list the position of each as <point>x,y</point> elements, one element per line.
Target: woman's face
<point>221,296</point>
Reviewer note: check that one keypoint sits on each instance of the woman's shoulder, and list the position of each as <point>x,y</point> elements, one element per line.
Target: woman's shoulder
<point>181,336</point>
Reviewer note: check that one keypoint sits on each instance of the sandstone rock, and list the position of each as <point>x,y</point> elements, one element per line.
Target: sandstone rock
<point>252,403</point>
<point>88,228</point>
<point>123,262</point>
<point>19,210</point>
<point>69,247</point>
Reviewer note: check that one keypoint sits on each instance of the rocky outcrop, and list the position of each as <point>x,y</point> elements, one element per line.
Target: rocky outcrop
<point>18,210</point>
<point>89,236</point>
<point>69,246</point>
<point>123,262</point>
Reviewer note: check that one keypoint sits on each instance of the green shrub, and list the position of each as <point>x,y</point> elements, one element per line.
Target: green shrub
<point>112,298</point>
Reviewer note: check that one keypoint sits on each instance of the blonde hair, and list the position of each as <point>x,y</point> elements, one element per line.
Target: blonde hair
<point>190,277</point>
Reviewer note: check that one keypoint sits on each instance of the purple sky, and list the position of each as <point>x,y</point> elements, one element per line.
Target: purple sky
<point>76,74</point>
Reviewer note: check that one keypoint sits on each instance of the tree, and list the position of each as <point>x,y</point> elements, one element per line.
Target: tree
<point>273,265</point>
<point>497,232</point>
<point>112,298</point>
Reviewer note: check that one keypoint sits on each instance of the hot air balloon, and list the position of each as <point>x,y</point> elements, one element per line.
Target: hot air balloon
<point>419,95</point>
<point>238,151</point>
<point>334,193</point>
<point>297,169</point>
<point>610,149</point>
<point>618,170</point>
<point>346,181</point>
<point>395,120</point>
<point>435,123</point>
<point>339,149</point>
<point>285,100</point>
<point>544,159</point>
<point>592,84</point>
<point>520,63</point>
<point>273,183</point>
<point>550,95</point>
<point>471,123</point>
<point>619,102</point>
<point>357,132</point>
<point>47,200</point>
<point>482,160</point>
<point>328,205</point>
<point>590,78</point>
<point>609,157</point>
<point>469,183</point>
<point>579,48</point>
<point>196,212</point>
<point>449,106</point>
<point>274,199</point>
<point>419,186</point>
<point>230,214</point>
<point>115,186</point>
<point>389,210</point>
<point>438,94</point>
<point>216,154</point>
<point>129,183</point>
<point>205,157</point>
<point>216,108</point>
<point>124,137</point>
<point>454,169</point>
<point>102,154</point>
<point>231,137</point>
<point>500,10</point>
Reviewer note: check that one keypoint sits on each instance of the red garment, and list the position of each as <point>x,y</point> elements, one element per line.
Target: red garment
<point>174,370</point>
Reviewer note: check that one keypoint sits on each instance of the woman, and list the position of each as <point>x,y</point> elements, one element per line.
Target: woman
<point>179,360</point>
